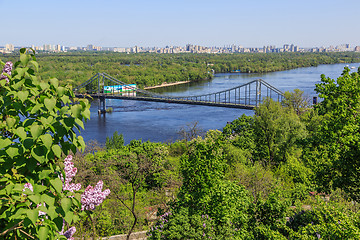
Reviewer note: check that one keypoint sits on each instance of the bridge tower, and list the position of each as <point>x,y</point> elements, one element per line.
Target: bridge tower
<point>101,96</point>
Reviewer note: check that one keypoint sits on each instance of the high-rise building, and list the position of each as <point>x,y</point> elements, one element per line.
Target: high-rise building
<point>58,48</point>
<point>48,47</point>
<point>9,48</point>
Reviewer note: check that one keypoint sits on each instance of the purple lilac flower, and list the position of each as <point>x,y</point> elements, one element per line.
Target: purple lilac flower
<point>204,225</point>
<point>69,233</point>
<point>93,196</point>
<point>28,186</point>
<point>7,69</point>
<point>41,213</point>
<point>70,172</point>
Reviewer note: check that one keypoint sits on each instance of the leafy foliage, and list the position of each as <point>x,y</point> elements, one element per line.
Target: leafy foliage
<point>336,143</point>
<point>276,131</point>
<point>37,127</point>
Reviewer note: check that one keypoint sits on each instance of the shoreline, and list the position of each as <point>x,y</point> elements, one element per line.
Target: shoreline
<point>166,85</point>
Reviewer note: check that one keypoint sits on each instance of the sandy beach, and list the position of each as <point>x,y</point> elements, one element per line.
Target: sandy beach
<point>166,85</point>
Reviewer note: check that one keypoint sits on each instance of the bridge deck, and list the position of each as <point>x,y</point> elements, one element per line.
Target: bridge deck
<point>169,100</point>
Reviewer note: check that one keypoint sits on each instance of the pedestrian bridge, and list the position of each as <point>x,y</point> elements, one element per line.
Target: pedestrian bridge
<point>246,96</point>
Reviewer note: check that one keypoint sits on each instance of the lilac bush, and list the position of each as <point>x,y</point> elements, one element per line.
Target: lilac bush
<point>91,197</point>
<point>39,124</point>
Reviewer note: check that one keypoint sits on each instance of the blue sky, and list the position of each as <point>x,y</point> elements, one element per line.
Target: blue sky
<point>250,23</point>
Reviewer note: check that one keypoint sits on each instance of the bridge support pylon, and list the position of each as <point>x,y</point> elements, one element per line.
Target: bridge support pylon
<point>102,105</point>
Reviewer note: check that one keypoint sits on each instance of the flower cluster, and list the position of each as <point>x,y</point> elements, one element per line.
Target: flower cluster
<point>159,226</point>
<point>70,172</point>
<point>7,69</point>
<point>69,233</point>
<point>93,196</point>
<point>28,186</point>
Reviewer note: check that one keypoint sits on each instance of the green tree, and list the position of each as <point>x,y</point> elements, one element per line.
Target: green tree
<point>338,137</point>
<point>205,192</point>
<point>115,142</point>
<point>296,100</point>
<point>276,131</point>
<point>138,166</point>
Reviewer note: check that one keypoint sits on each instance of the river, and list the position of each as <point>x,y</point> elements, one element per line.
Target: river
<point>161,122</point>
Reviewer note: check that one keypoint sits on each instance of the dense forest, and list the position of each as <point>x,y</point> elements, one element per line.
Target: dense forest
<point>290,171</point>
<point>150,69</point>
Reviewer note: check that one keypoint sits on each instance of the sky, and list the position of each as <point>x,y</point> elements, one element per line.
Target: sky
<point>160,23</point>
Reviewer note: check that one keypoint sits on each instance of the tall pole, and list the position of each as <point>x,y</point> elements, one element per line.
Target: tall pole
<point>257,92</point>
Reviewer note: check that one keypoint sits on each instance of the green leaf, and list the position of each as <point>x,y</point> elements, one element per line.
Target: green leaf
<point>50,103</point>
<point>36,130</point>
<point>32,214</point>
<point>36,108</point>
<point>86,114</point>
<point>57,150</point>
<point>4,143</point>
<point>12,151</point>
<point>79,122</point>
<point>60,91</point>
<point>76,110</point>
<point>54,82</point>
<point>44,174</point>
<point>59,223</point>
<point>35,198</point>
<point>28,143</point>
<point>22,95</point>
<point>24,58</point>
<point>9,188</point>
<point>57,184</point>
<point>20,131</point>
<point>66,204</point>
<point>46,121</point>
<point>65,99</point>
<point>47,140</point>
<point>69,216</point>
<point>39,188</point>
<point>43,232</point>
<point>20,72</point>
<point>48,199</point>
<point>35,64</point>
<point>77,199</point>
<point>52,212</point>
<point>81,142</point>
<point>44,86</point>
<point>39,153</point>
<point>10,122</point>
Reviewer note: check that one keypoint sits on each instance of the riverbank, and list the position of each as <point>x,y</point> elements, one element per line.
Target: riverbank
<point>166,85</point>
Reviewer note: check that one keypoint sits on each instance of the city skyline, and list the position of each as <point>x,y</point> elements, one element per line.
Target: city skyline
<point>160,23</point>
<point>189,48</point>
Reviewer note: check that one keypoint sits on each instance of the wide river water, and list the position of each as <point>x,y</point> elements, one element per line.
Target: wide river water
<point>161,122</point>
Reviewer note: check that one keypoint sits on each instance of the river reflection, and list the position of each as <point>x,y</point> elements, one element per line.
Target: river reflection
<point>160,122</point>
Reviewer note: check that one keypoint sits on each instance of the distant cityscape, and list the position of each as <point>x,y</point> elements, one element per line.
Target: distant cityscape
<point>189,48</point>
